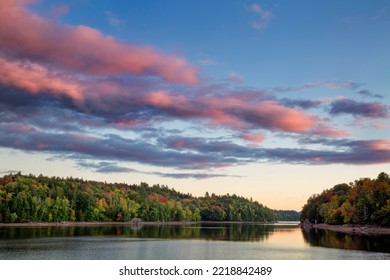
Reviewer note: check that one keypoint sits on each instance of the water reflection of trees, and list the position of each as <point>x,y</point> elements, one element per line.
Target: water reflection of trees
<point>227,232</point>
<point>340,240</point>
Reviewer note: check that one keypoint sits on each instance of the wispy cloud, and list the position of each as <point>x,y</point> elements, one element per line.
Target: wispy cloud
<point>367,93</point>
<point>235,77</point>
<point>113,19</point>
<point>257,138</point>
<point>381,14</point>
<point>360,109</point>
<point>112,167</point>
<point>263,16</point>
<point>345,84</point>
<point>206,61</point>
<point>302,103</point>
<point>335,85</point>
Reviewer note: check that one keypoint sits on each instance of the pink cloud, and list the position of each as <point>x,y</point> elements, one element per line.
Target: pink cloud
<point>265,114</point>
<point>204,108</point>
<point>218,117</point>
<point>253,137</point>
<point>325,130</point>
<point>42,57</point>
<point>84,49</point>
<point>379,145</point>
<point>239,111</point>
<point>282,118</point>
<point>380,126</point>
<point>162,99</point>
<point>35,78</point>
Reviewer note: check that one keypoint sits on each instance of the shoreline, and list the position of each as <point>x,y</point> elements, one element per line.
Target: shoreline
<point>352,229</point>
<point>129,223</point>
<point>87,224</point>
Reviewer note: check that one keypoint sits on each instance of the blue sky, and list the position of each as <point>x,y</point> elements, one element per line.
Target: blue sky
<point>270,100</point>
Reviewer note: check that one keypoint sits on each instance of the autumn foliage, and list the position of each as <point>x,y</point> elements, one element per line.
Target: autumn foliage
<point>27,198</point>
<point>365,201</point>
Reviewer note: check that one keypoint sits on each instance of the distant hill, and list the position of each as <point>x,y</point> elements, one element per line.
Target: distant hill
<point>287,215</point>
<point>28,198</point>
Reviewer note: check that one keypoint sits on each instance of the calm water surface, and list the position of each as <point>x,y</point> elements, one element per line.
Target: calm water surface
<point>199,241</point>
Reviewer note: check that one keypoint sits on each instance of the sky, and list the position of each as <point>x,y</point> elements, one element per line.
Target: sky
<point>273,100</point>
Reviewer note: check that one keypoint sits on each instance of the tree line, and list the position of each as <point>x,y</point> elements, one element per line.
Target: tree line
<point>287,215</point>
<point>29,198</point>
<point>365,201</point>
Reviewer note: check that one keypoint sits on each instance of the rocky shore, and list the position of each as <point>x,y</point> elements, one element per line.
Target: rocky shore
<point>352,229</point>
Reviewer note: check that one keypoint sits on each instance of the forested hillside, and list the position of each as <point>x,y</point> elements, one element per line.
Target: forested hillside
<point>287,215</point>
<point>43,199</point>
<point>366,201</point>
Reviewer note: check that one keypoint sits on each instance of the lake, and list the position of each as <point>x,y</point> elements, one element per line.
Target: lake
<point>203,241</point>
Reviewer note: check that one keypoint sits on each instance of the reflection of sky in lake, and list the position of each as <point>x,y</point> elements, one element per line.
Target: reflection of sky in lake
<point>143,249</point>
<point>226,241</point>
<point>286,238</point>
